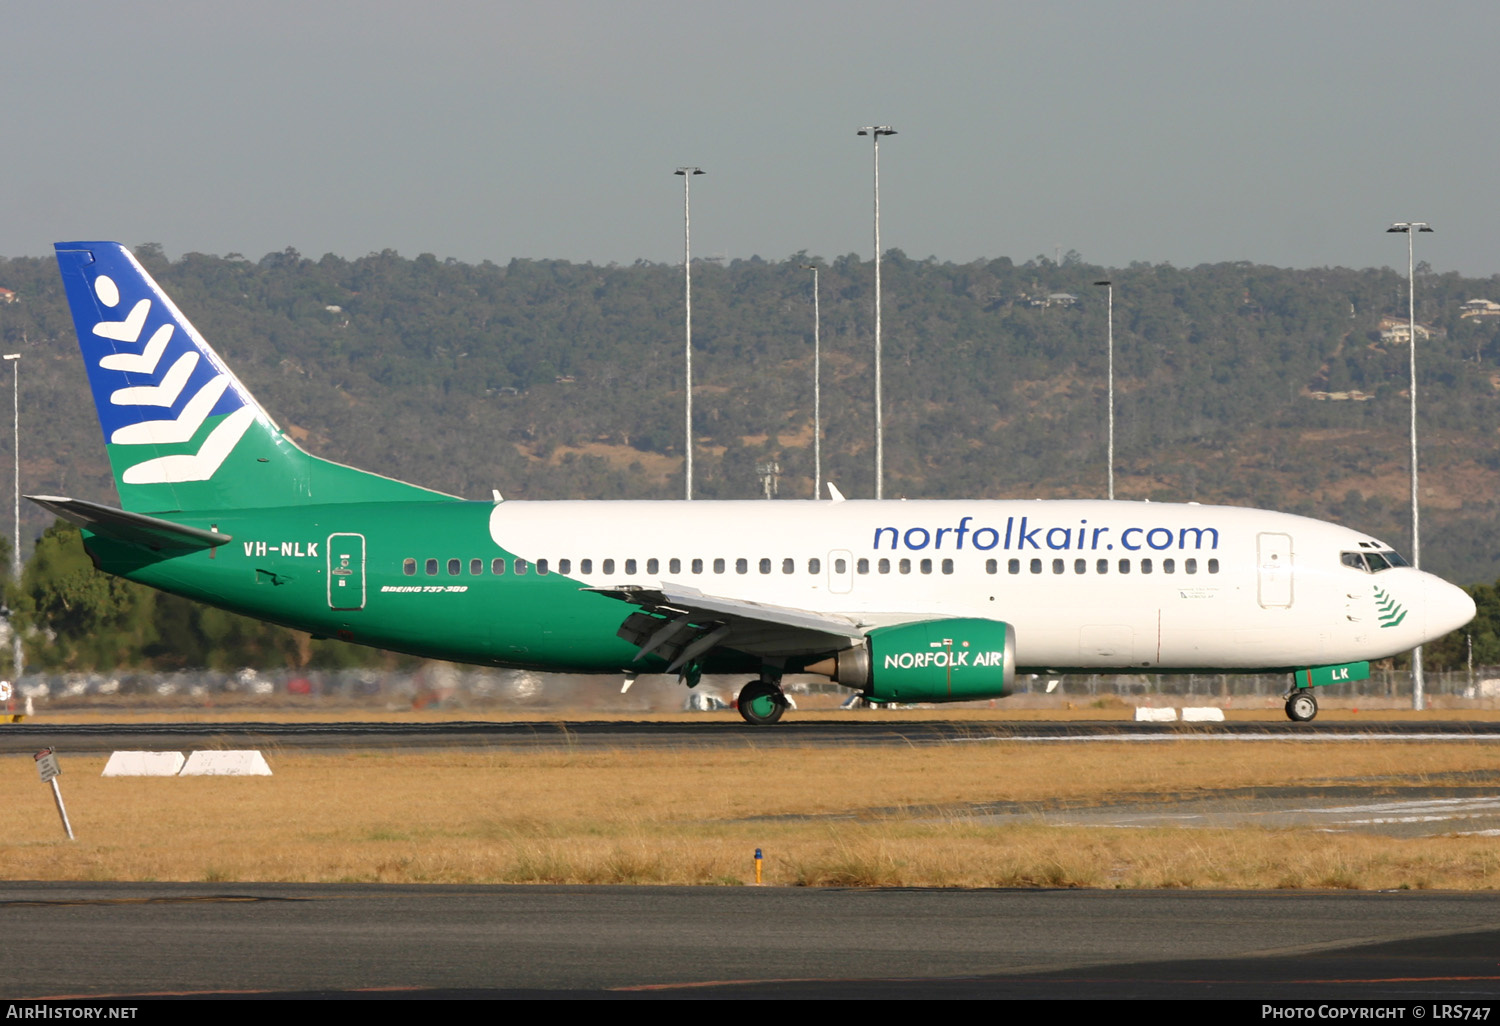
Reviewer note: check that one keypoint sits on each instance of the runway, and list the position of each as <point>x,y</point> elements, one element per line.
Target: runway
<point>718,731</point>
<point>394,941</point>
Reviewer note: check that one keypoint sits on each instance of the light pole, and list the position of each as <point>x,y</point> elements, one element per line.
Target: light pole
<point>1411,228</point>
<point>1111,347</point>
<point>687,174</point>
<point>817,389</point>
<point>15,550</point>
<point>875,132</point>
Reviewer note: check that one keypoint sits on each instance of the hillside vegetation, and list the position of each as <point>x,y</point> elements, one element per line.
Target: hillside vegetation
<point>550,379</point>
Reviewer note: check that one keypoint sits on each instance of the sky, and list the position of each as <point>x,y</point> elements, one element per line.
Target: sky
<point>1289,134</point>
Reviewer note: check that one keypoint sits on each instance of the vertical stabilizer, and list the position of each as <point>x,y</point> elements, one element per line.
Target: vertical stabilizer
<point>181,431</point>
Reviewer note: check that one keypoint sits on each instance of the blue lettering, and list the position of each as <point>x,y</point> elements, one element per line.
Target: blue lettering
<point>1067,536</point>
<point>895,536</point>
<point>1197,537</point>
<point>1125,538</point>
<point>926,537</point>
<point>1009,523</point>
<point>1154,532</point>
<point>1028,537</point>
<point>963,529</point>
<point>994,538</point>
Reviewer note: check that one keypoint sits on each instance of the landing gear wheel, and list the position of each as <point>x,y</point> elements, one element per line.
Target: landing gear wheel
<point>761,704</point>
<point>1301,706</point>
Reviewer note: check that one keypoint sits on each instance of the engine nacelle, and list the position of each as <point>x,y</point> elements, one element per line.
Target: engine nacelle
<point>955,660</point>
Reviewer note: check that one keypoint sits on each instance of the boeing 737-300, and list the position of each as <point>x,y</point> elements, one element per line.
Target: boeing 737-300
<point>902,601</point>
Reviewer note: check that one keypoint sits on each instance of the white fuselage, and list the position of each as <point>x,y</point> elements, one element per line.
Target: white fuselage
<point>1086,584</point>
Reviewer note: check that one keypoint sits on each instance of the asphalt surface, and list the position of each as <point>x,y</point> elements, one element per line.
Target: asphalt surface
<point>72,940</point>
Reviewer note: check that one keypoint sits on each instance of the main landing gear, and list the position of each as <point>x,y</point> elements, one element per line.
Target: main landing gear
<point>1301,705</point>
<point>761,703</point>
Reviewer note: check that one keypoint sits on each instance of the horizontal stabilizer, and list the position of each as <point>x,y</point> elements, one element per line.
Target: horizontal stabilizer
<point>134,528</point>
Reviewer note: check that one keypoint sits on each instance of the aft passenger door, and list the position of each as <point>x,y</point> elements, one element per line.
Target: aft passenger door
<point>346,571</point>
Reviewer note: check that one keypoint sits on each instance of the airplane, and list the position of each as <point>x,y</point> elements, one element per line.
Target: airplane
<point>900,601</point>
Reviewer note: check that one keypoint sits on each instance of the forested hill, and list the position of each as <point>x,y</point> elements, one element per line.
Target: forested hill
<point>548,379</point>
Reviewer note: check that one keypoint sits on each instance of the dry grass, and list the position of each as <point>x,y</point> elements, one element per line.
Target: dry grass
<point>850,817</point>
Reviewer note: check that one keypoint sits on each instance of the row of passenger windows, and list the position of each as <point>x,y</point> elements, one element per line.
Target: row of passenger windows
<point>789,566</point>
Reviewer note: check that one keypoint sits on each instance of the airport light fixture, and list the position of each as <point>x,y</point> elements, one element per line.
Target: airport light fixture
<point>1410,229</point>
<point>875,132</point>
<point>817,389</point>
<point>687,174</point>
<point>15,550</point>
<point>1110,345</point>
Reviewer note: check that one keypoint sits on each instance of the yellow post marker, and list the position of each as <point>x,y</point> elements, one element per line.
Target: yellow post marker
<point>757,867</point>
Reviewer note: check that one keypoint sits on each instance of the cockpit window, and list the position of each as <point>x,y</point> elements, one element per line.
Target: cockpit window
<point>1372,562</point>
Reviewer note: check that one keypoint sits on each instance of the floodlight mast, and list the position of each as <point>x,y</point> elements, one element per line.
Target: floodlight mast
<point>875,132</point>
<point>687,174</point>
<point>1410,229</point>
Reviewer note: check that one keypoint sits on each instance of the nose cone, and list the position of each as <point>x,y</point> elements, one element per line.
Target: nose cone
<point>1447,608</point>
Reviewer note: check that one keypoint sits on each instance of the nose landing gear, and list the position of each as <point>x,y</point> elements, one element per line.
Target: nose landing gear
<point>1301,705</point>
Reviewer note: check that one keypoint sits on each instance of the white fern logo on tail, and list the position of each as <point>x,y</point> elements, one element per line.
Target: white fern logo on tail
<point>180,467</point>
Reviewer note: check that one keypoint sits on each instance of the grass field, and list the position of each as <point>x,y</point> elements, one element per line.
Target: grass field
<point>822,816</point>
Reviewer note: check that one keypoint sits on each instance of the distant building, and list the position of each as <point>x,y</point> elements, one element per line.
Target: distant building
<point>1479,308</point>
<point>1398,330</point>
<point>7,296</point>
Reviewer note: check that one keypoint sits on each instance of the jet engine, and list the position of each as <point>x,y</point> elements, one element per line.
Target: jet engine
<point>955,660</point>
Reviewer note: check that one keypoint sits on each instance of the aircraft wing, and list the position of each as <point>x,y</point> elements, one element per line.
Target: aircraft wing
<point>680,623</point>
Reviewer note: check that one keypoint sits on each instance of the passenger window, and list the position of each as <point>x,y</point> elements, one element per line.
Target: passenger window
<point>541,567</point>
<point>840,566</point>
<point>409,567</point>
<point>432,566</point>
<point>815,566</point>
<point>1036,566</point>
<point>476,567</point>
<point>1213,566</point>
<point>1080,566</point>
<point>947,566</point>
<point>1169,566</point>
<point>520,566</point>
<point>1102,566</point>
<point>455,567</point>
<point>765,566</point>
<point>861,565</point>
<point>630,566</point>
<point>674,565</point>
<point>1014,566</point>
<point>652,566</point>
<point>608,566</point>
<point>564,566</point>
<point>742,565</point>
<point>1057,566</point>
<point>903,565</point>
<point>1145,566</point>
<point>884,566</point>
<point>1190,566</point>
<point>788,566</point>
<point>586,566</point>
<point>992,566</point>
<point>719,565</point>
<point>697,566</point>
<point>497,566</point>
<point>1124,566</point>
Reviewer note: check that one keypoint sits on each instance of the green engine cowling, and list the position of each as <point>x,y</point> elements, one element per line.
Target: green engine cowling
<point>956,660</point>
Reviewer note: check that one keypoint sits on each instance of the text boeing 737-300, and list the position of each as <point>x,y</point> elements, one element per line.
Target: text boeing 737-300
<point>902,601</point>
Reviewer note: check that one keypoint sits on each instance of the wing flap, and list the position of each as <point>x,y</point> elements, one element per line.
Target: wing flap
<point>680,623</point>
